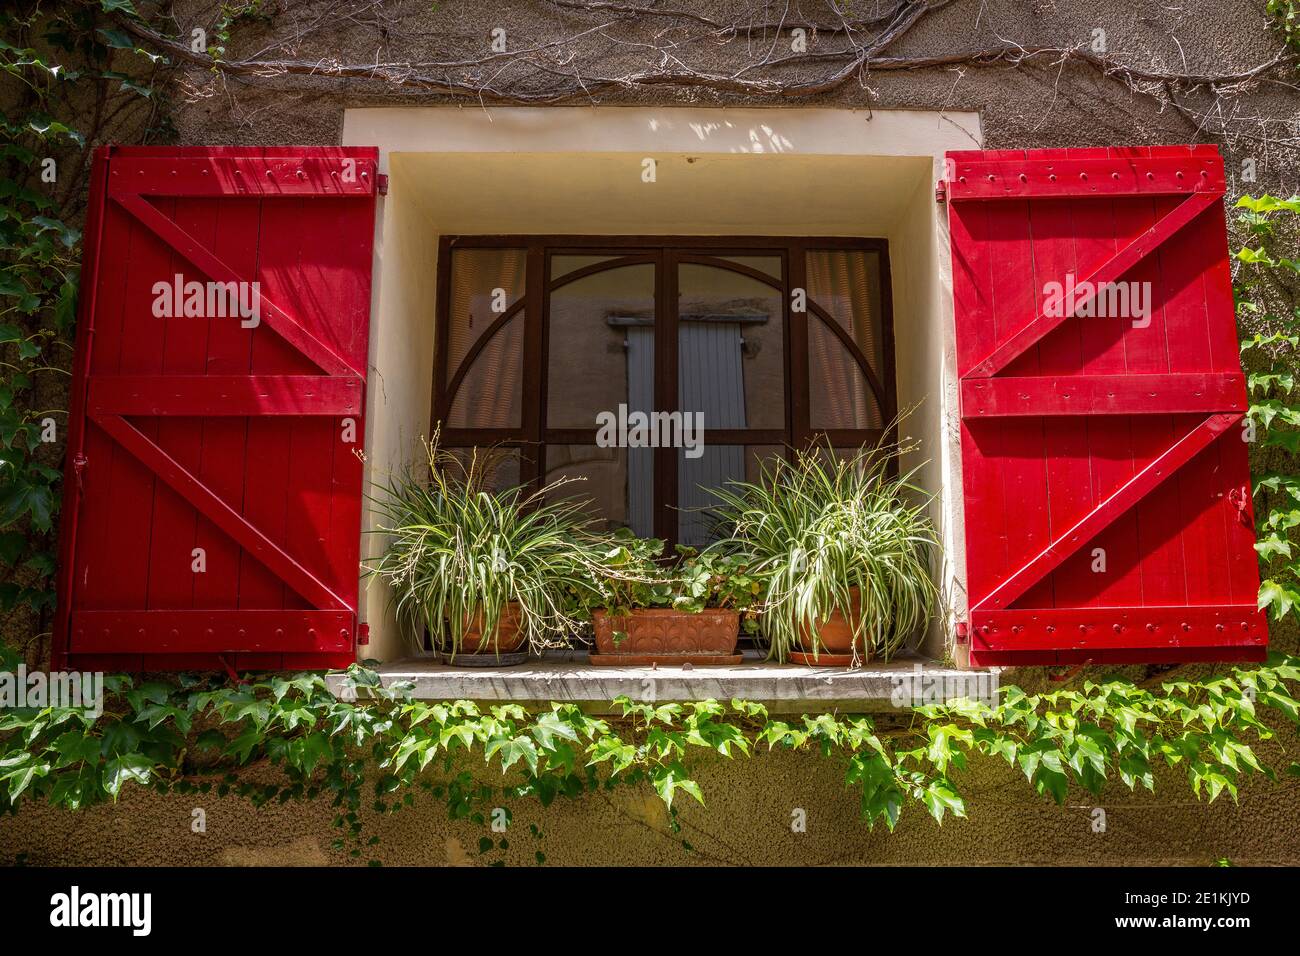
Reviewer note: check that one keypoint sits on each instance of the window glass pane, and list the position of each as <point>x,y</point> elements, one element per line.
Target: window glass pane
<point>601,355</point>
<point>845,284</point>
<point>730,349</point>
<point>485,283</point>
<point>616,483</point>
<point>697,524</point>
<point>771,265</point>
<point>601,346</point>
<point>562,265</point>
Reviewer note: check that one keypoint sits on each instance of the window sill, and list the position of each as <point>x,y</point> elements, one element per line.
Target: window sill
<point>783,688</point>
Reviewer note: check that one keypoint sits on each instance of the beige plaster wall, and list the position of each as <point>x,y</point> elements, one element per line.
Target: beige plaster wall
<point>927,383</point>
<point>400,377</point>
<point>579,170</point>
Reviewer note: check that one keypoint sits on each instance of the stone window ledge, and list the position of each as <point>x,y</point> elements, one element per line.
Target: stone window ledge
<point>783,688</point>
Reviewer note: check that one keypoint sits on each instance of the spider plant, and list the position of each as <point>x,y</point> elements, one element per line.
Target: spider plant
<point>459,553</point>
<point>828,534</point>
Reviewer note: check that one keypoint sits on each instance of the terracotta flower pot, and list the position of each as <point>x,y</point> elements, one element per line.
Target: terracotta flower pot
<point>666,636</point>
<point>509,636</point>
<point>834,646</point>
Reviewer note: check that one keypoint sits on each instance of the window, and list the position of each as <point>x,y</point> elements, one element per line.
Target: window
<point>773,343</point>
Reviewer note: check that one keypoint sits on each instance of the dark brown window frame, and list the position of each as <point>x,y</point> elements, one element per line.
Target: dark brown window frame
<point>665,252</point>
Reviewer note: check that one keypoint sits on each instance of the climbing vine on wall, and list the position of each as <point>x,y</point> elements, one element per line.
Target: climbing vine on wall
<point>1265,285</point>
<point>72,76</point>
<point>1286,15</point>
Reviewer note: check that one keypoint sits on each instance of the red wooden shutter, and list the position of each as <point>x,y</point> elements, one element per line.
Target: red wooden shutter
<point>237,439</point>
<point>1107,492</point>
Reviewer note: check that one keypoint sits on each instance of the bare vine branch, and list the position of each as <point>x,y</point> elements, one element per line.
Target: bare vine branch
<point>439,77</point>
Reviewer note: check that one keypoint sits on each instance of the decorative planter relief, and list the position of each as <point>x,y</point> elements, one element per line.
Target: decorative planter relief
<point>665,636</point>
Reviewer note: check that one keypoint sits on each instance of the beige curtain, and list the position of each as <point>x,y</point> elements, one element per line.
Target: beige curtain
<point>846,284</point>
<point>489,396</point>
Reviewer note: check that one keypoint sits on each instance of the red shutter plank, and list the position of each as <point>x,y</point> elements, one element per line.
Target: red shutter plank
<point>1109,271</point>
<point>1098,519</point>
<point>234,443</point>
<point>225,440</point>
<point>181,480</point>
<point>1058,175</point>
<point>173,520</point>
<point>1104,627</point>
<point>324,174</point>
<point>1106,492</point>
<point>215,632</point>
<point>226,395</point>
<point>1103,394</point>
<point>209,266</point>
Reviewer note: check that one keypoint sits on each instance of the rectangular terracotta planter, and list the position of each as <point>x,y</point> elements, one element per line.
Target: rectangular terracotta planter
<point>666,636</point>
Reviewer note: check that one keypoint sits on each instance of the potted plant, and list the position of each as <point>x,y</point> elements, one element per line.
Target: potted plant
<point>489,573</point>
<point>655,613</point>
<point>844,551</point>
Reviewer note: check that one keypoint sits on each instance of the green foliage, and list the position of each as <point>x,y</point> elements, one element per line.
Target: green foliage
<point>66,69</point>
<point>1269,316</point>
<point>38,287</point>
<point>828,534</point>
<point>287,738</point>
<point>632,574</point>
<point>230,14</point>
<point>1287,17</point>
<point>714,578</point>
<point>455,547</point>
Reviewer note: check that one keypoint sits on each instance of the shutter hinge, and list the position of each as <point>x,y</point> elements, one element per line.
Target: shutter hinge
<point>230,671</point>
<point>1240,499</point>
<point>79,463</point>
<point>382,182</point>
<point>941,191</point>
<point>1063,675</point>
<point>363,635</point>
<point>963,632</point>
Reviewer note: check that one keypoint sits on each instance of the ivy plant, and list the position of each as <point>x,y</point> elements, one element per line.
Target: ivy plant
<point>375,747</point>
<point>1269,313</point>
<point>71,75</point>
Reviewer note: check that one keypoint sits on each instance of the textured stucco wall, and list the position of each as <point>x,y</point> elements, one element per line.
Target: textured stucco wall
<point>1037,105</point>
<point>747,820</point>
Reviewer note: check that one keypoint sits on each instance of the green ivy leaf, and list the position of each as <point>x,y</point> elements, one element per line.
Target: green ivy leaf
<point>668,780</point>
<point>512,750</point>
<point>116,39</point>
<point>131,766</point>
<point>940,797</point>
<point>24,499</point>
